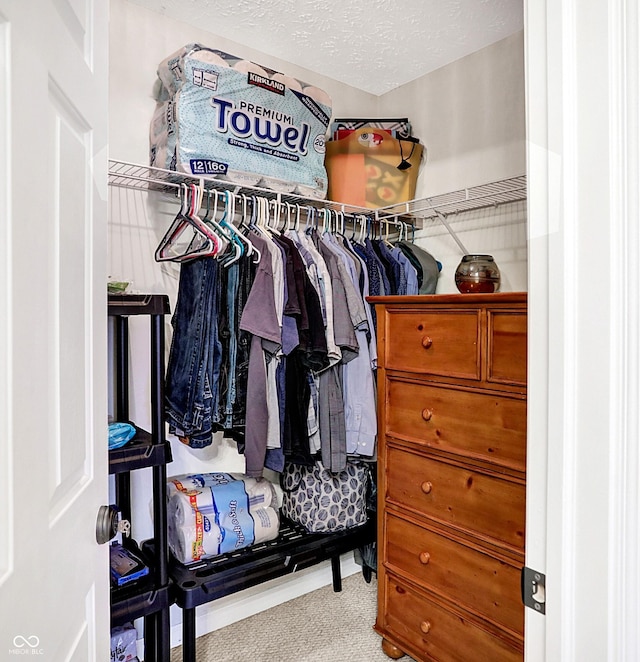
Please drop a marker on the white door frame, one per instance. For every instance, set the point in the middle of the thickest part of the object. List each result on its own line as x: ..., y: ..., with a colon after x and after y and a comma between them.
x: 583, y: 505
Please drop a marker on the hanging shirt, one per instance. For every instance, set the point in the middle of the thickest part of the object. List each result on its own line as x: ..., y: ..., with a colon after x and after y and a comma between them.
x: 358, y: 391
x: 372, y: 336
x: 410, y: 273
x: 260, y: 318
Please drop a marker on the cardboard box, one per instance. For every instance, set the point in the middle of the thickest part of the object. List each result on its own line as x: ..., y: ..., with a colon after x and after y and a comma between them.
x: 371, y: 169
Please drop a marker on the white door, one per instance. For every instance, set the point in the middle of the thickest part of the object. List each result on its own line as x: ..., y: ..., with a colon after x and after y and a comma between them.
x: 54, y: 593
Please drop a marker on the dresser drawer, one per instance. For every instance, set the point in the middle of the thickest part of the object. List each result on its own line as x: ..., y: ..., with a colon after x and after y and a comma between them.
x: 465, y: 575
x: 436, y: 633
x: 436, y: 343
x: 477, y: 425
x: 488, y: 506
x: 507, y: 347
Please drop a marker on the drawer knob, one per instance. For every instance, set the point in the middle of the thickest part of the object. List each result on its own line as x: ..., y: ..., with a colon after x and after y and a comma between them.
x: 425, y: 626
x: 425, y: 557
x: 426, y: 487
x: 426, y: 342
x: 427, y: 414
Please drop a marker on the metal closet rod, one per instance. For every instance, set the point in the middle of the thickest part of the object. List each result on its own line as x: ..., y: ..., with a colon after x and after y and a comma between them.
x: 148, y: 178
x: 136, y: 176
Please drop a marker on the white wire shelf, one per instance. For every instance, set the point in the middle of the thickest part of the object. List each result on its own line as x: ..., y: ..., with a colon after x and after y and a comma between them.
x: 468, y: 199
x: 413, y: 212
x: 148, y: 178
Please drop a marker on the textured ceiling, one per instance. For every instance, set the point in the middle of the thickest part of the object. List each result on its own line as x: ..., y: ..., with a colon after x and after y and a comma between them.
x: 372, y: 45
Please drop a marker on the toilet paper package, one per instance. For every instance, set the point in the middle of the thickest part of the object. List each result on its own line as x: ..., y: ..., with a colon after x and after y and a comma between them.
x: 220, y: 116
x: 214, y: 513
x: 189, y: 543
x: 261, y: 492
x: 123, y: 643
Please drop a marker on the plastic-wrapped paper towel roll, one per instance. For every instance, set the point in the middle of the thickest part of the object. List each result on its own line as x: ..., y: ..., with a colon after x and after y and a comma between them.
x: 184, y: 482
x: 197, y: 484
x: 201, y: 499
x: 177, y: 513
x: 188, y: 546
x: 180, y: 510
x: 317, y: 95
x: 246, y: 66
x: 266, y: 524
x: 210, y: 57
x: 289, y: 81
x: 261, y: 492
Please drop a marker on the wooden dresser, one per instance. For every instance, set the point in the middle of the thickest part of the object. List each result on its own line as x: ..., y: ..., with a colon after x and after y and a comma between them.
x: 451, y: 471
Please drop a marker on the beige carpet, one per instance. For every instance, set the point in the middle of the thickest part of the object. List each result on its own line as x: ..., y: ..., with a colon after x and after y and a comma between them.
x: 321, y: 626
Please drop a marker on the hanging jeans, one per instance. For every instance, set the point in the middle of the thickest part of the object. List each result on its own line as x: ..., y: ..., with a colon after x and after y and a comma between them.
x: 236, y: 343
x: 195, y: 355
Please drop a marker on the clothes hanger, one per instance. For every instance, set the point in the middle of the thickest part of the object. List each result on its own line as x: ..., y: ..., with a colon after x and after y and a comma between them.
x: 385, y: 240
x: 214, y: 245
x: 311, y: 219
x: 355, y: 226
x: 168, y: 244
x: 236, y: 243
x: 225, y: 236
x: 259, y: 213
x: 249, y: 220
x: 248, y: 248
x: 219, y: 241
x: 244, y: 224
x: 248, y: 224
x: 275, y: 228
x: 287, y: 225
x: 370, y: 233
x: 364, y: 229
x: 326, y: 219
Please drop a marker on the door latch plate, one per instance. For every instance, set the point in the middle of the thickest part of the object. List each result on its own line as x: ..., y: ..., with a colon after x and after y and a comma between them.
x: 534, y: 589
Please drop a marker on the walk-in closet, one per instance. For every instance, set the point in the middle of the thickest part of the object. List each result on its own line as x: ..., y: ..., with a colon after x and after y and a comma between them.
x: 470, y: 116
x: 530, y: 155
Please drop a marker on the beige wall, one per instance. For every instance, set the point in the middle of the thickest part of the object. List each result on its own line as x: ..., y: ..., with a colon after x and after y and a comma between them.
x: 470, y: 115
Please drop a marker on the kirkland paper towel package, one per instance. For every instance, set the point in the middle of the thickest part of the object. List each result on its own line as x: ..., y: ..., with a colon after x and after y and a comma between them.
x: 220, y: 116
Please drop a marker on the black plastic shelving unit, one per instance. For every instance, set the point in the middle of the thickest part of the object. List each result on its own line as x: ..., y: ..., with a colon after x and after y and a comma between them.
x: 294, y: 549
x: 148, y: 597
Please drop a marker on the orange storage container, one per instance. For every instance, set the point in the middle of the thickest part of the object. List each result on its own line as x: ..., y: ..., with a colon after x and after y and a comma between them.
x: 370, y: 168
